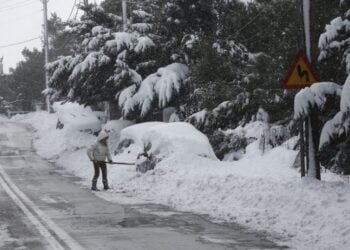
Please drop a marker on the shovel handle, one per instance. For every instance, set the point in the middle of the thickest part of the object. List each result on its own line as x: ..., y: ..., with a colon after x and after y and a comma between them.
x: 119, y: 163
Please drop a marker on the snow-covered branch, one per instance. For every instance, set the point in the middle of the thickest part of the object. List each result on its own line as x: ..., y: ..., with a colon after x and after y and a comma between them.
x: 164, y: 85
x: 314, y: 96
x: 340, y: 124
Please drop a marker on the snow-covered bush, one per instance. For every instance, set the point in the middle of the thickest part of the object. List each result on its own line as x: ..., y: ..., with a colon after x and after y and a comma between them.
x: 228, y: 146
x: 278, y: 134
x: 202, y: 120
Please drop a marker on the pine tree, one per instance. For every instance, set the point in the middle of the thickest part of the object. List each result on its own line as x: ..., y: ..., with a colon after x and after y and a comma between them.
x: 106, y: 61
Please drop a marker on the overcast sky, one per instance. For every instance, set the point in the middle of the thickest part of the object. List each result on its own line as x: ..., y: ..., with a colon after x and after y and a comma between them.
x: 21, y: 20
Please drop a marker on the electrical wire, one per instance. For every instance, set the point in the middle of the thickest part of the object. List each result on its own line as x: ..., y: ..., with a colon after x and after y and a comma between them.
x: 14, y: 19
x: 18, y: 43
x: 69, y: 39
x: 6, y: 5
x: 16, y: 6
x: 26, y: 14
x: 261, y: 30
x: 7, y: 1
x: 76, y: 13
x: 71, y: 12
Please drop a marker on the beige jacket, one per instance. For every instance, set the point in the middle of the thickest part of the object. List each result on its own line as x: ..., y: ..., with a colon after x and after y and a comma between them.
x: 99, y: 151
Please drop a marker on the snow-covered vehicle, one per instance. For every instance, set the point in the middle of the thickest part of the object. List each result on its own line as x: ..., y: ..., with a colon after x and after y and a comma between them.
x: 151, y: 142
x: 77, y: 117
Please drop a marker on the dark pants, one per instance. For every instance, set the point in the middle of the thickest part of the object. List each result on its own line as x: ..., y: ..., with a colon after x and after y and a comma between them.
x: 97, y: 166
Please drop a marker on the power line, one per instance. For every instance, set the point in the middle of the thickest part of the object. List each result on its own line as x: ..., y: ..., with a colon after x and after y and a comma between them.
x: 6, y: 2
x: 18, y: 43
x: 76, y: 13
x: 16, y: 18
x: 7, y: 5
x: 16, y: 6
x: 71, y: 12
x: 261, y: 30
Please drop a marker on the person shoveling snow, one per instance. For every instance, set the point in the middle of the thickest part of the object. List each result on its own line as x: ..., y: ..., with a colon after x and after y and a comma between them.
x: 98, y: 153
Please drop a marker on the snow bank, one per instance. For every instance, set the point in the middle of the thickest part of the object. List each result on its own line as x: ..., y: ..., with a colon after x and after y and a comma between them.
x: 77, y: 117
x: 260, y: 191
x: 57, y: 142
x: 5, y: 236
x: 3, y: 118
x: 114, y: 129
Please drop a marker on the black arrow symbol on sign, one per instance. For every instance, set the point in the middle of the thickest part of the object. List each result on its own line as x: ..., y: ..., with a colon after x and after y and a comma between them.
x: 303, y: 73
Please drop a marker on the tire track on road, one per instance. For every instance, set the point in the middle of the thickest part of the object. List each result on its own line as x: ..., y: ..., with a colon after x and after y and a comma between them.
x: 56, y: 237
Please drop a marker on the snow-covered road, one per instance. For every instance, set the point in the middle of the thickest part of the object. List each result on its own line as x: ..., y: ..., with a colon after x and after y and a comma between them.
x: 43, y: 208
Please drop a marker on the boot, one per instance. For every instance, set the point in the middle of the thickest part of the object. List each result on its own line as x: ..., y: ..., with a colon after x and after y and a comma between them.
x: 105, y: 185
x: 94, y: 185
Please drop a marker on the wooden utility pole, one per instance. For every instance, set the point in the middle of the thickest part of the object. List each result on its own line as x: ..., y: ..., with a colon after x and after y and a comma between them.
x: 46, y: 50
x: 301, y: 46
x: 124, y: 15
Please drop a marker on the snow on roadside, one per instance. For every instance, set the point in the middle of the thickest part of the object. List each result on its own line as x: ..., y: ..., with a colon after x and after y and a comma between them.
x: 5, y: 237
x: 65, y: 147
x: 3, y: 118
x: 260, y: 191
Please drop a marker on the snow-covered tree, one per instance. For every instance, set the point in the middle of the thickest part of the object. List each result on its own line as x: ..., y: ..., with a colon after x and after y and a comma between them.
x: 179, y: 26
x: 340, y: 124
x: 334, y: 41
x: 105, y: 62
x: 335, y: 51
x: 307, y: 104
x: 162, y: 86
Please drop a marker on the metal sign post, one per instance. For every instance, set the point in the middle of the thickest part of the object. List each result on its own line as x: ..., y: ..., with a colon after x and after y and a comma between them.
x: 299, y: 76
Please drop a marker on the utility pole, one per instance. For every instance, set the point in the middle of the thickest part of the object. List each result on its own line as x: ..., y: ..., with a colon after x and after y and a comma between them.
x: 309, y: 137
x: 124, y: 15
x: 46, y: 49
x: 301, y: 46
x: 313, y: 120
x: 307, y: 31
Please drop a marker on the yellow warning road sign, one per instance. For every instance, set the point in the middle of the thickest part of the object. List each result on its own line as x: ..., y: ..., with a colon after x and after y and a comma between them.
x: 300, y: 74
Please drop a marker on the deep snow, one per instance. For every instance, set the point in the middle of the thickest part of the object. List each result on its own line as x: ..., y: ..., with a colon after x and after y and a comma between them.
x: 259, y: 191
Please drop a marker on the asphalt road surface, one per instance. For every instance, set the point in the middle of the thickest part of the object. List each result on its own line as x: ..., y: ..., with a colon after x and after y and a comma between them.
x: 41, y: 208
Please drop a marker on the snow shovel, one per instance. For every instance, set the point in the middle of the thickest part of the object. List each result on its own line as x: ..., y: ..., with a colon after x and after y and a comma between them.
x: 120, y: 163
